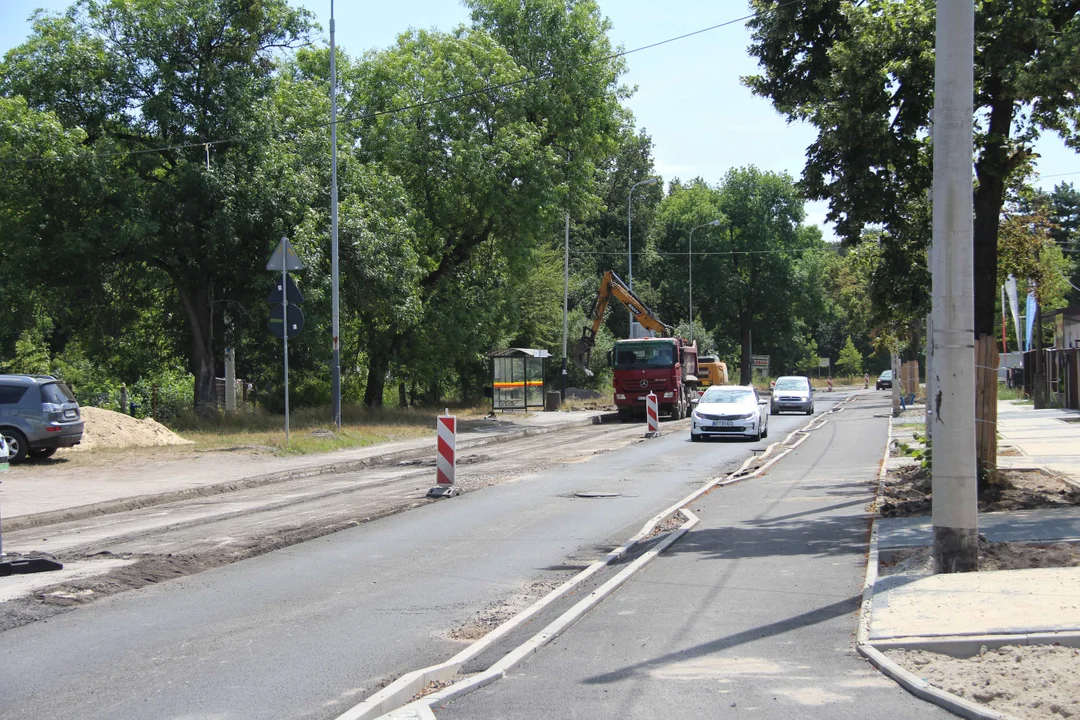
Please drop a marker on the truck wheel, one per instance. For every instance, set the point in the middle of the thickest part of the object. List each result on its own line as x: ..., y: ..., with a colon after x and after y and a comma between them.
x: 626, y: 415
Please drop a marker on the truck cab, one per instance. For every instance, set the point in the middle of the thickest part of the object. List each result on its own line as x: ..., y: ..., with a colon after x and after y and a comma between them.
x: 664, y: 366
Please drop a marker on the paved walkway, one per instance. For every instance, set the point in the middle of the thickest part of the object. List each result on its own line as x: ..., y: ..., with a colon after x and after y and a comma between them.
x: 1045, y: 438
x: 1043, y: 525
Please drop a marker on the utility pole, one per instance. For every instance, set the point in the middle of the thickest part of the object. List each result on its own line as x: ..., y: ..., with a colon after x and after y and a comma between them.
x: 630, y: 243
x: 955, y: 500
x: 335, y: 362
x: 565, y: 302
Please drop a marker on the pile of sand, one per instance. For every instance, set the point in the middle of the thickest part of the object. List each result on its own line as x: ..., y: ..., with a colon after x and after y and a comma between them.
x: 108, y: 429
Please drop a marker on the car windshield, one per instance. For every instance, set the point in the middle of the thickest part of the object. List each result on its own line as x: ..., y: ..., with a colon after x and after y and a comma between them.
x: 644, y: 355
x: 728, y: 395
x: 791, y: 383
x: 886, y: 375
x: 56, y: 393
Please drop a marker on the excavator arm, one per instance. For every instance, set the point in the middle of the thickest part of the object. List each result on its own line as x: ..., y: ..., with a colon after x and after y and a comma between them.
x: 613, y: 287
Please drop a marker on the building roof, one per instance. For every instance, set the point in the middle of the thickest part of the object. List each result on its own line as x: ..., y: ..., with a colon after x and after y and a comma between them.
x: 1070, y: 313
x: 519, y: 352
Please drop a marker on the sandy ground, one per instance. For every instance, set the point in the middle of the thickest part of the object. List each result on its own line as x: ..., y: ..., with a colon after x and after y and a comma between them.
x: 992, y: 556
x: 907, y: 492
x: 1034, y: 681
x: 108, y: 429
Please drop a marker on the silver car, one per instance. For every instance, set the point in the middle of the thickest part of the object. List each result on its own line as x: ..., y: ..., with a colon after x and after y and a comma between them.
x: 792, y: 392
x: 38, y: 414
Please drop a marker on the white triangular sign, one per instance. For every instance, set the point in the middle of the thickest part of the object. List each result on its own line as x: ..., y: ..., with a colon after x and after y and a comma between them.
x: 284, y: 254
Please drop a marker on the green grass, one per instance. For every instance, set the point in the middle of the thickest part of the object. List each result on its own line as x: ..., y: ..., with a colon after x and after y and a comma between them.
x: 1008, y: 393
x: 310, y: 428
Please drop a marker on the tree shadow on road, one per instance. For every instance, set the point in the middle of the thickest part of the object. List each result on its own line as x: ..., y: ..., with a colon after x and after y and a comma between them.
x: 813, y: 617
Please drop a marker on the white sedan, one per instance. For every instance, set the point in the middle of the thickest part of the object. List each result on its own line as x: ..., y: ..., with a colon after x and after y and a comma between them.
x: 727, y: 410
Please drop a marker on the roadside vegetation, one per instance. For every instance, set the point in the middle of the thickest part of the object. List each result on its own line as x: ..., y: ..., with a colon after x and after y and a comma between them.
x: 159, y: 216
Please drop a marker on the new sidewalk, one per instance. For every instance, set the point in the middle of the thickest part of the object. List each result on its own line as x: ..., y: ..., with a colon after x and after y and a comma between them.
x: 39, y: 495
x: 960, y: 612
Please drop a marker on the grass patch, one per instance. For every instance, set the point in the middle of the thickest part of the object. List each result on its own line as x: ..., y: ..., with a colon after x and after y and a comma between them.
x: 310, y: 428
x: 1008, y: 393
x: 305, y: 441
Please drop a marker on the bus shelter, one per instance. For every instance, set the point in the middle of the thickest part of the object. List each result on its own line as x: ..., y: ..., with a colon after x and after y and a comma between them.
x: 517, y: 378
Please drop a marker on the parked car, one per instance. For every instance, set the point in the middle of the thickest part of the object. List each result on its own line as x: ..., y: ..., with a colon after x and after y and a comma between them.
x: 38, y: 414
x: 725, y: 410
x: 792, y: 392
x: 884, y: 380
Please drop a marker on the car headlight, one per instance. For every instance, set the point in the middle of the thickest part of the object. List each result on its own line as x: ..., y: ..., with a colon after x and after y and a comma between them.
x: 669, y: 394
x: 747, y: 415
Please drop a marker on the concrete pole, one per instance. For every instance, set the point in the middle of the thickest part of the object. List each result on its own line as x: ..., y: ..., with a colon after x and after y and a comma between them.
x: 230, y: 380
x: 565, y: 302
x: 335, y: 361
x: 894, y: 363
x: 955, y: 500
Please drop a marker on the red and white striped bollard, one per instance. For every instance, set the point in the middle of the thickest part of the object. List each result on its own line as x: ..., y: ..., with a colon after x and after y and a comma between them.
x: 445, y: 457
x: 830, y: 384
x: 652, y: 416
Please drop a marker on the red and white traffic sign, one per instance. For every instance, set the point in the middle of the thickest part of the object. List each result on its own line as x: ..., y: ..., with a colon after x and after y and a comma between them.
x: 445, y: 457
x: 652, y: 416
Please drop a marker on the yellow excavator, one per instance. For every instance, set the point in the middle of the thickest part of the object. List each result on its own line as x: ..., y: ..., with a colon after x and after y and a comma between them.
x: 663, y: 364
x: 612, y: 286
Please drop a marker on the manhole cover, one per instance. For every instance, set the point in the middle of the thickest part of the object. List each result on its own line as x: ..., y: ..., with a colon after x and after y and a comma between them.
x: 596, y: 495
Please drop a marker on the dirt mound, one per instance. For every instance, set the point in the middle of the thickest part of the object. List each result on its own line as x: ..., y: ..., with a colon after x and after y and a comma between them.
x: 108, y: 429
x: 907, y: 492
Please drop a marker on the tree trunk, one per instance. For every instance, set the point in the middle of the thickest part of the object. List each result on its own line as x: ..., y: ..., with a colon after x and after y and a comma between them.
x: 991, y: 169
x: 403, y: 399
x: 378, y: 366
x: 986, y: 363
x: 198, y: 307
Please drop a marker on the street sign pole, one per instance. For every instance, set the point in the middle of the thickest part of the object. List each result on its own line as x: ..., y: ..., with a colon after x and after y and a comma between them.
x: 284, y: 260
x: 285, y: 340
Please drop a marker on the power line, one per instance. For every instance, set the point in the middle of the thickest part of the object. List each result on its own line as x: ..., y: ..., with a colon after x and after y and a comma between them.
x: 416, y: 106
x: 716, y: 252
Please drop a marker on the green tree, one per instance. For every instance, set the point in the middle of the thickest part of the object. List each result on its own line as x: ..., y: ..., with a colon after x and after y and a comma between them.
x: 850, y: 361
x: 862, y: 74
x: 752, y: 287
x: 136, y: 76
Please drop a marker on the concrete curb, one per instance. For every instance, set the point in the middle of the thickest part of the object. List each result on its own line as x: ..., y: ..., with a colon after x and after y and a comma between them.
x: 398, y: 695
x: 909, y: 681
x: 136, y: 502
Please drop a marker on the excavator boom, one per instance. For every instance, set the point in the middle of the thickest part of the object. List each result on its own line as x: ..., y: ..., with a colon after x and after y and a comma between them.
x: 612, y: 286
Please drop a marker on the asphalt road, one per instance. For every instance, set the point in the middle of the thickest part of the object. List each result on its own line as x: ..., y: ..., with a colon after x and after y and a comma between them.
x: 308, y: 631
x: 753, y: 613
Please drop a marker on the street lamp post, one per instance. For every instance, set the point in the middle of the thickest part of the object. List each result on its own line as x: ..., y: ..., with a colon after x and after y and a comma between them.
x: 690, y: 269
x: 629, y: 240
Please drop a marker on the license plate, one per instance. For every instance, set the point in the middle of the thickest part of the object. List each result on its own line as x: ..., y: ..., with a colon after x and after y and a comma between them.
x: 69, y: 413
x: 723, y: 423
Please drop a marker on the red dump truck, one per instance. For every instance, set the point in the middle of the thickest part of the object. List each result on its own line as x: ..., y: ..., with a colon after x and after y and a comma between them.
x: 663, y: 364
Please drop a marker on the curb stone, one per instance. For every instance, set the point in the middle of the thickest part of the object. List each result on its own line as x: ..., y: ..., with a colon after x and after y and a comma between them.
x: 917, y: 686
x: 136, y: 502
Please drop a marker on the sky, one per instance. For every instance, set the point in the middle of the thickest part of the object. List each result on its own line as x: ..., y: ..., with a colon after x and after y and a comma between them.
x: 702, y: 120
